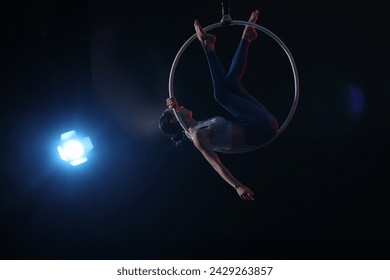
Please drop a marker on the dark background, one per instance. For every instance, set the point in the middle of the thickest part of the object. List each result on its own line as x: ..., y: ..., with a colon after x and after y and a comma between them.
x: 102, y: 67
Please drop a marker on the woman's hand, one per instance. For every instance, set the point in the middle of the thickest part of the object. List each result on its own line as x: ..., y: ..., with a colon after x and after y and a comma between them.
x: 245, y: 193
x: 172, y: 103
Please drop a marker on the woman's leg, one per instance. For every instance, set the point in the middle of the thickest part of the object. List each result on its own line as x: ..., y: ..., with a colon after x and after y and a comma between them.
x: 259, y: 124
x: 236, y: 100
x: 237, y: 70
x: 238, y: 104
x: 239, y: 61
x: 235, y: 104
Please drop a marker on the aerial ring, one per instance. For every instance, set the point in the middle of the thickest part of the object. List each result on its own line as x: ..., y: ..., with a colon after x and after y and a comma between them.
x: 281, y: 44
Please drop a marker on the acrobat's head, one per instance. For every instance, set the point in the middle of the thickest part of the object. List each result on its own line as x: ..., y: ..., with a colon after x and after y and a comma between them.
x: 169, y: 125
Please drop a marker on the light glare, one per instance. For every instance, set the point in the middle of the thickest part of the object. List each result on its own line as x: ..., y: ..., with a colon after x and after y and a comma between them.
x: 73, y: 149
x: 79, y: 161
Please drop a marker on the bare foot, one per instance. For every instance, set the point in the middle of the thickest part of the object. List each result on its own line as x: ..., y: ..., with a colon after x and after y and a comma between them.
x: 207, y: 40
x: 250, y: 32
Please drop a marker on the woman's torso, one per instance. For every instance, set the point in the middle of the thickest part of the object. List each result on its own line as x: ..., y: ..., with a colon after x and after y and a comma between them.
x: 227, y: 135
x: 221, y: 132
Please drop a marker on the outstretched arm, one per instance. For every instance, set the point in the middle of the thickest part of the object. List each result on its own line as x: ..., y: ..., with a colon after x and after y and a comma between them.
x: 203, y: 144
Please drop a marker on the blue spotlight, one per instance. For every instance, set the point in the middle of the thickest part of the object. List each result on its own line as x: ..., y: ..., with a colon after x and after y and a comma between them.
x: 74, y: 149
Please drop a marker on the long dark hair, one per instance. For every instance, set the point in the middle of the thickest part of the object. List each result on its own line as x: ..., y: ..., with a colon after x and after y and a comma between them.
x: 174, y: 130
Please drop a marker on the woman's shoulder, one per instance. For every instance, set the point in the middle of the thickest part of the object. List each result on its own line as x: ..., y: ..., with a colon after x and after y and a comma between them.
x: 201, y: 137
x: 203, y: 126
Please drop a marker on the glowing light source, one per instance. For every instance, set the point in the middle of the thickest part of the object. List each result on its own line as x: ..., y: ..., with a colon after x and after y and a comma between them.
x: 74, y: 149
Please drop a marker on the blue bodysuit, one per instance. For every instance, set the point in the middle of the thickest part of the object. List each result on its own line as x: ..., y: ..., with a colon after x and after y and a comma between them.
x: 259, y: 125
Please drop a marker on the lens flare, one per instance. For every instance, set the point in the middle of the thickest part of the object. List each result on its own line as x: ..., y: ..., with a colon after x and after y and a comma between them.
x: 74, y: 150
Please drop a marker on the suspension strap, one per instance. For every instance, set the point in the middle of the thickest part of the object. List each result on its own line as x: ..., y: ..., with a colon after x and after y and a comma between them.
x: 226, y: 19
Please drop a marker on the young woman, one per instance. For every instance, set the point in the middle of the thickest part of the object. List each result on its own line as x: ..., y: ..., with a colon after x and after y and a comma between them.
x: 254, y: 124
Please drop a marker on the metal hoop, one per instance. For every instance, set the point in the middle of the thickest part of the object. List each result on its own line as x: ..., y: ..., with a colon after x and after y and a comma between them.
x: 282, y: 45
